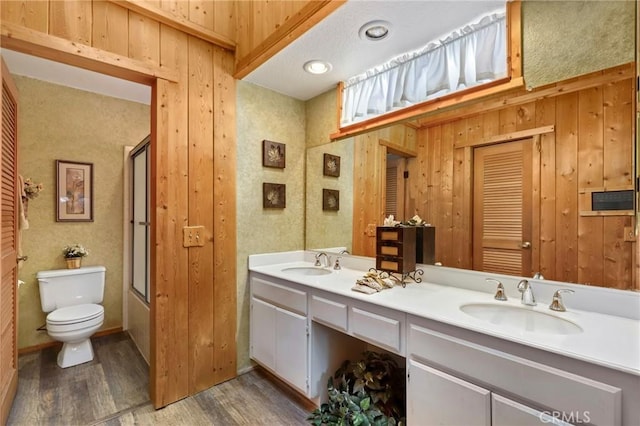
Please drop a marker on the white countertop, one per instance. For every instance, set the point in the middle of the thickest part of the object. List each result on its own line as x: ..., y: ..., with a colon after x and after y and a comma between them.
x: 607, y: 340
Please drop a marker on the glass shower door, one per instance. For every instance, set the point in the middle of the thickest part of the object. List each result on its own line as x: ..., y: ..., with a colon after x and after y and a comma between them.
x: 140, y: 222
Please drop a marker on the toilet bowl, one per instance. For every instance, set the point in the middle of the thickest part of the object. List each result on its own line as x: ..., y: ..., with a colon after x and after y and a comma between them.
x: 71, y: 297
x: 73, y: 326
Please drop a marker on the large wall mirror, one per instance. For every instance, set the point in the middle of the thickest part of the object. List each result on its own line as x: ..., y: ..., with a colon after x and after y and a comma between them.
x: 528, y: 160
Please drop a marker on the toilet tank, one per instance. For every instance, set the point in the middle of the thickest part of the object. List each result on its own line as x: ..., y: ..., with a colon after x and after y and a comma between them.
x: 68, y: 287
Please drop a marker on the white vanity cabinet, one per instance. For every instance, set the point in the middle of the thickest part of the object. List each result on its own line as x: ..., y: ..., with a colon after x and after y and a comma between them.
x: 377, y: 325
x: 440, y: 398
x: 279, y: 330
x: 455, y: 376
x: 435, y: 397
x: 459, y: 371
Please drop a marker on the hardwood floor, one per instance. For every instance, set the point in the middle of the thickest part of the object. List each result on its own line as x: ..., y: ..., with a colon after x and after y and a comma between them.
x: 113, y: 390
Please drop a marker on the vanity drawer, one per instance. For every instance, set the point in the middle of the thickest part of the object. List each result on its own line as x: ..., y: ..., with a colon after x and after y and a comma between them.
x: 278, y: 295
x: 394, y: 264
x: 329, y: 312
x: 384, y: 329
x: 384, y: 233
x: 389, y: 250
x: 541, y: 384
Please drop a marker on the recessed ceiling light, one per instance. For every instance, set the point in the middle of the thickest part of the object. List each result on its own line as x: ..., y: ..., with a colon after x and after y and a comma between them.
x: 374, y: 30
x: 317, y: 66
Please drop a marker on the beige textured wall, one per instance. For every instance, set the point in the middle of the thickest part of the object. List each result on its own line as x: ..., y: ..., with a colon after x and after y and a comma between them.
x: 322, y: 119
x: 264, y: 114
x: 326, y: 229
x: 57, y: 122
x: 564, y: 39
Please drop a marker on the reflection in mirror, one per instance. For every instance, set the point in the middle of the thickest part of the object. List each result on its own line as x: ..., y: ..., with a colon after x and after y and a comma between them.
x: 329, y: 228
x: 506, y: 186
x: 573, y: 135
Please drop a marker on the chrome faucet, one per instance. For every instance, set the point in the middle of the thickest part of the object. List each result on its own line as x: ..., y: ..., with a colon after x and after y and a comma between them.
x: 527, y: 293
x: 556, y: 303
x: 538, y: 276
x: 326, y: 258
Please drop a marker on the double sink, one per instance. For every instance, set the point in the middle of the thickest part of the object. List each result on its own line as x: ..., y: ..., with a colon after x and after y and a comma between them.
x: 509, y: 317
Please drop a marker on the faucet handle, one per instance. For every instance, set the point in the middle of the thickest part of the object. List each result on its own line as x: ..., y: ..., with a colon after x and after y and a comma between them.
x: 556, y: 303
x: 337, y: 266
x: 499, y: 290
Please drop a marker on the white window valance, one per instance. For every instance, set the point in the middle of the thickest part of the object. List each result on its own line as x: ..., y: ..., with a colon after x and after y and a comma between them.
x: 473, y: 55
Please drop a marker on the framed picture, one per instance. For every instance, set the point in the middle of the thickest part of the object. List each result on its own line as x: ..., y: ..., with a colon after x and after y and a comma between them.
x: 74, y: 191
x: 331, y: 165
x: 273, y: 154
x: 274, y: 195
x: 330, y: 199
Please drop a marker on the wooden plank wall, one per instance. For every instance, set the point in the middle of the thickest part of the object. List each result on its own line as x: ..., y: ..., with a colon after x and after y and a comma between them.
x: 369, y: 171
x: 193, y: 172
x: 265, y: 27
x: 592, y: 147
x: 369, y: 181
x: 262, y: 19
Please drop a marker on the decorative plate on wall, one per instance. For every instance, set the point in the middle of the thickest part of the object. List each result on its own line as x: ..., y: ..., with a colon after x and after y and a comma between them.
x: 330, y: 199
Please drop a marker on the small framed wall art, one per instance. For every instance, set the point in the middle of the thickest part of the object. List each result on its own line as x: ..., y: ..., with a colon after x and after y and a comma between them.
x: 273, y: 154
x: 274, y: 195
x: 330, y: 199
x: 74, y: 191
x: 331, y: 165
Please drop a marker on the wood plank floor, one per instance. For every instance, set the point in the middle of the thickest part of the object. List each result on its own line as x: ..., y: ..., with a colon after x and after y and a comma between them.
x: 113, y: 390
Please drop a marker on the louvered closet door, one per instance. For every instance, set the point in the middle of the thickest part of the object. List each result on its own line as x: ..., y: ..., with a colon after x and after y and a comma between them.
x: 502, y: 208
x: 8, y: 242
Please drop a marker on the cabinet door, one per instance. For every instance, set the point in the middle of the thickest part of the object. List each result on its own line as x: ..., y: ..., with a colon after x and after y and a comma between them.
x: 437, y: 398
x: 263, y: 333
x: 292, y: 348
x: 506, y: 412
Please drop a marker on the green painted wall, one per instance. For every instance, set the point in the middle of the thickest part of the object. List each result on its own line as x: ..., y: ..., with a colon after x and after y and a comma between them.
x: 264, y: 114
x: 565, y: 39
x: 57, y: 122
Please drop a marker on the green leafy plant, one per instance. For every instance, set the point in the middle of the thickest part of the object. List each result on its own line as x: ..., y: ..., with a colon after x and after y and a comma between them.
x: 370, y: 391
x: 346, y: 409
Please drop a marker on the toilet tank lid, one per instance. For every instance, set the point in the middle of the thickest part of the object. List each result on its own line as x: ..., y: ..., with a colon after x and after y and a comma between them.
x: 66, y: 272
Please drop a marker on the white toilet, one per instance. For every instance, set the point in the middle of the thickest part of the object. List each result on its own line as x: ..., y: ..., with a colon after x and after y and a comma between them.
x: 72, y: 296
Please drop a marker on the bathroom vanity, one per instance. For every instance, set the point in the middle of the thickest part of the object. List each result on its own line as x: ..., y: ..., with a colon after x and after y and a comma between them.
x: 469, y: 358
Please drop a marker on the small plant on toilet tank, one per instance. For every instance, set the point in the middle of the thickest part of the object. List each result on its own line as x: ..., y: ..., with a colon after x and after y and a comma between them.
x: 74, y: 250
x: 73, y: 254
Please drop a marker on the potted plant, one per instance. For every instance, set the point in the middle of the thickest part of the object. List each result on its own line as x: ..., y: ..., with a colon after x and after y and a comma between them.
x: 73, y: 254
x: 370, y: 391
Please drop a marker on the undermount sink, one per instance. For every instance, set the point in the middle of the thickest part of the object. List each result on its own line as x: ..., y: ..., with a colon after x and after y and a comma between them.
x: 520, y: 318
x: 306, y: 270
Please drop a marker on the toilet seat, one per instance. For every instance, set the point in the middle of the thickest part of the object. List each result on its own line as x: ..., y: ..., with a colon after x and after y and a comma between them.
x: 75, y: 314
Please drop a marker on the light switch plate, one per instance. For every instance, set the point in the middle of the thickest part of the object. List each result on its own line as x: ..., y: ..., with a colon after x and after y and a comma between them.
x: 371, y: 230
x: 193, y: 236
x: 629, y: 234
